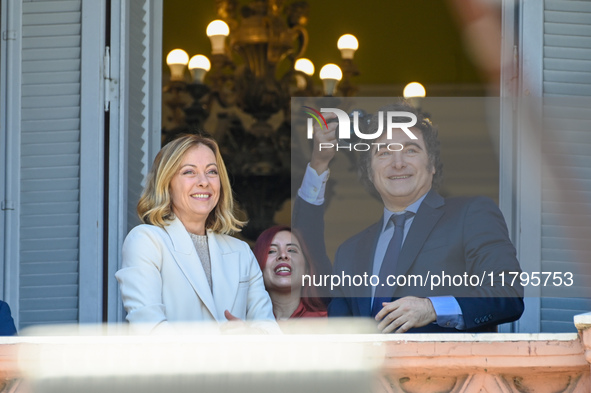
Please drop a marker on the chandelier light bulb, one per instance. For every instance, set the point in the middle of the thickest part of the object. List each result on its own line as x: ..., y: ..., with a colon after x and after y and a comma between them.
x: 198, y: 66
x: 348, y: 44
x: 177, y: 60
x: 304, y: 65
x: 414, y: 89
x: 177, y: 56
x: 330, y: 74
x: 331, y: 71
x: 218, y: 27
x: 217, y: 31
x: 199, y: 61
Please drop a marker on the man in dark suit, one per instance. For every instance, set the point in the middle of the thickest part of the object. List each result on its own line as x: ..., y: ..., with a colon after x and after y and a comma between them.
x: 460, y: 243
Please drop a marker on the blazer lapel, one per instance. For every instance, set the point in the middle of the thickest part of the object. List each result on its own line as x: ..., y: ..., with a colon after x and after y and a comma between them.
x: 225, y: 272
x: 186, y: 257
x: 427, y: 216
x: 363, y: 263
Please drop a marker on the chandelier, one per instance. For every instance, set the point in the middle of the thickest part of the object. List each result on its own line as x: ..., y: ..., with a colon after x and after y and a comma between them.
x: 254, y: 69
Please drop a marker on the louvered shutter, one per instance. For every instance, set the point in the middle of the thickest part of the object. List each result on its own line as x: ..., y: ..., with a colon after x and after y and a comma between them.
x: 566, y: 202
x: 59, y: 232
x: 138, y: 156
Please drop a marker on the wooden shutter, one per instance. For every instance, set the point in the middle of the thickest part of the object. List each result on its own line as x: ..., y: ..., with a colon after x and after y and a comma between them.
x: 50, y: 162
x: 138, y: 116
x: 60, y: 171
x: 566, y: 183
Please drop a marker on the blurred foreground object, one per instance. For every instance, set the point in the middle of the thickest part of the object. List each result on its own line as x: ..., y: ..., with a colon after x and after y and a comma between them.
x: 467, y: 363
x: 480, y: 25
x: 198, y: 358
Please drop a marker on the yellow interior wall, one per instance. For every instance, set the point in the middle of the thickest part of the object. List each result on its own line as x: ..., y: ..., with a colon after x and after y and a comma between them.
x: 400, y: 40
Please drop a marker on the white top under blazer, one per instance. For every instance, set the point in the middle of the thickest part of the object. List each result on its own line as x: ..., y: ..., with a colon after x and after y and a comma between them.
x: 162, y: 279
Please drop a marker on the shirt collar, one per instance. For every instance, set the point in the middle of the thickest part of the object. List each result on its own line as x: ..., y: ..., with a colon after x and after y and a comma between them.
x: 413, y: 207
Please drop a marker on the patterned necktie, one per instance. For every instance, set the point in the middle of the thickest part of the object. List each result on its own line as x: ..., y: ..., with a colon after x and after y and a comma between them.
x: 384, y: 293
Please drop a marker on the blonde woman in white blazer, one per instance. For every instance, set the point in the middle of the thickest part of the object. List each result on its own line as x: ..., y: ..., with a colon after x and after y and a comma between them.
x: 181, y: 265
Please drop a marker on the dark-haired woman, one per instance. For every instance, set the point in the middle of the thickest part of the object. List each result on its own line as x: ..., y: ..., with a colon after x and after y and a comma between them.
x: 284, y: 259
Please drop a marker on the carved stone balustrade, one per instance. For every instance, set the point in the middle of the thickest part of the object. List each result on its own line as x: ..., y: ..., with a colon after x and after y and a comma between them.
x: 492, y: 363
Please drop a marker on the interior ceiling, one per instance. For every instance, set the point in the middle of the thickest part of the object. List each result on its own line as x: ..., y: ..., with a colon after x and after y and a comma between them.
x: 400, y: 41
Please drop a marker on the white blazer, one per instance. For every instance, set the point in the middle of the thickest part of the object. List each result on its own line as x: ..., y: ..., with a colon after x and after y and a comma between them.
x: 162, y: 279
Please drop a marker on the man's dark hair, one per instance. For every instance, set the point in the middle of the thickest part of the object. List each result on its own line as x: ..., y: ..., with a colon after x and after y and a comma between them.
x: 428, y: 131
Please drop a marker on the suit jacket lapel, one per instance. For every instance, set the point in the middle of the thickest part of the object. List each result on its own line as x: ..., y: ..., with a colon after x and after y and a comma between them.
x: 363, y: 263
x: 186, y: 257
x: 225, y: 272
x: 427, y: 216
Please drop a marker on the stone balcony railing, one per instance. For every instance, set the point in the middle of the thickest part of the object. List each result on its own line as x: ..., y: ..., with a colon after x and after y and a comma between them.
x: 487, y: 363
x: 405, y: 363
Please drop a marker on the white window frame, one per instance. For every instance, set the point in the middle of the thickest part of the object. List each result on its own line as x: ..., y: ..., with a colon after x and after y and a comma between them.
x: 520, y: 152
x: 118, y: 119
x: 92, y: 137
x: 10, y: 92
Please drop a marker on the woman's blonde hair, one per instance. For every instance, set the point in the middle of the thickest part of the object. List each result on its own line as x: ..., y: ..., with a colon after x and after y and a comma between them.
x: 155, y: 204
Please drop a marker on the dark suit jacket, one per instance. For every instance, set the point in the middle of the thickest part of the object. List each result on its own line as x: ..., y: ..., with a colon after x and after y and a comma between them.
x: 454, y: 236
x: 7, y: 327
